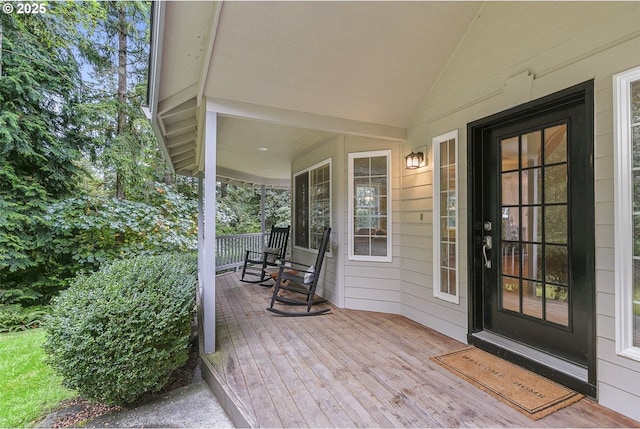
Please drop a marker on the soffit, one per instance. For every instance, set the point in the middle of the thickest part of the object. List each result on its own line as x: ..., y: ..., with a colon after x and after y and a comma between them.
x: 366, y: 62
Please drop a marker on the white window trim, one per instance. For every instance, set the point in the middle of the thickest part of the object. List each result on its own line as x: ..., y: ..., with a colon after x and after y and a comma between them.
x: 389, y: 257
x: 451, y: 135
x: 623, y: 197
x: 309, y: 170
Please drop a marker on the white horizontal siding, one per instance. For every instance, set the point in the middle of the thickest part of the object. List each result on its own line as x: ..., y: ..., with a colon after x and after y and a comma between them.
x: 373, y: 286
x: 560, y: 44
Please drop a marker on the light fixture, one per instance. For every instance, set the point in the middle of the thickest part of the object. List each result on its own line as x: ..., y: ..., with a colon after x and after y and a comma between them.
x: 414, y: 160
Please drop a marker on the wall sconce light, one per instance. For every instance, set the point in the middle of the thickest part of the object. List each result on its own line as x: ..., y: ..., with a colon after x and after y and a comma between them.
x: 415, y: 159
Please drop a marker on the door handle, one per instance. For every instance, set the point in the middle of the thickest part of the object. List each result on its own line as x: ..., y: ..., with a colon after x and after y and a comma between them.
x: 486, y: 244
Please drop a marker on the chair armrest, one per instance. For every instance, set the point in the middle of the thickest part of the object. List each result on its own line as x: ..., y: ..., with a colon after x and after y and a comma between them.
x: 297, y: 271
x: 288, y: 264
x: 256, y: 257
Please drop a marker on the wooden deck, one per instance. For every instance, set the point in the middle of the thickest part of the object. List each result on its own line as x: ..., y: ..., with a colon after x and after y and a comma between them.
x: 351, y: 369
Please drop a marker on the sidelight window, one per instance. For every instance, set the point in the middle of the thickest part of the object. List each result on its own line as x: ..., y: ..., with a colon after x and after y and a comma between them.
x: 445, y: 213
x: 627, y: 211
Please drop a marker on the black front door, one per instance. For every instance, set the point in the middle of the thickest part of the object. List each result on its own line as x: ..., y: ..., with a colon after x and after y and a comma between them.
x: 532, y: 256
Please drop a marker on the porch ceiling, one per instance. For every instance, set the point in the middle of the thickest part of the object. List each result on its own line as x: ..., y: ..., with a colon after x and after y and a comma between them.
x: 287, y: 75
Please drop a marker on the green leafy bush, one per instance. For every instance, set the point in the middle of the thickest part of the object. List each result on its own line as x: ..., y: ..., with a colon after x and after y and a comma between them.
x: 119, y: 333
x: 82, y: 233
x: 14, y: 318
x: 84, y: 230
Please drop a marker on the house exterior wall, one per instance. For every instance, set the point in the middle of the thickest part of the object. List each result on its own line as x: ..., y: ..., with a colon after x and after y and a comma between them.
x: 363, y: 285
x: 328, y: 285
x: 369, y: 285
x: 513, y: 53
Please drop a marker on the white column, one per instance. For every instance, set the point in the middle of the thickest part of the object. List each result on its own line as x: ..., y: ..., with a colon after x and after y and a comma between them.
x: 201, y: 258
x: 209, y: 227
x: 263, y: 197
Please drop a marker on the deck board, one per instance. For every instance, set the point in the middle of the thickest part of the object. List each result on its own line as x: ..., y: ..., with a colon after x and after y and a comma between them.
x: 351, y: 368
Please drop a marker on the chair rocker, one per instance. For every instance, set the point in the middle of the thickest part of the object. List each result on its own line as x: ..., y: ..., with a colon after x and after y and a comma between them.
x: 300, y: 279
x: 256, y: 263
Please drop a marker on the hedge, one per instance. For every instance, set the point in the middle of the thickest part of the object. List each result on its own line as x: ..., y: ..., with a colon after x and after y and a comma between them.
x: 118, y: 334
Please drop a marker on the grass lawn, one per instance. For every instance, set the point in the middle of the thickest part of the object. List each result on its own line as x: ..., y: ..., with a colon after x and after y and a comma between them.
x: 29, y: 389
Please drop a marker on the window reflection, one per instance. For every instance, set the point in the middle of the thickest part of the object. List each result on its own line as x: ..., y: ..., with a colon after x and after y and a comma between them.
x: 534, y: 227
x: 370, y: 206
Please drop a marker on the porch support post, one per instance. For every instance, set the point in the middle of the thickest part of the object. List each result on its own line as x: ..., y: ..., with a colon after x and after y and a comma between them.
x: 209, y: 226
x: 263, y: 216
x: 200, y: 235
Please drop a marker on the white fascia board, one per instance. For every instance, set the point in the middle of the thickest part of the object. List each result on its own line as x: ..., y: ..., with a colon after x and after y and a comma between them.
x: 155, y: 58
x: 200, y: 113
x: 208, y: 51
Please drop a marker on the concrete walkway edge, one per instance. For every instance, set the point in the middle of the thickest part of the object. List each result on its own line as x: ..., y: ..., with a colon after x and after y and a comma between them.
x: 192, y: 406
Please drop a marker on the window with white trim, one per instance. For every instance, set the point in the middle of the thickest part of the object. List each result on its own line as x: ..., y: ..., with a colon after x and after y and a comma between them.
x: 370, y: 206
x: 445, y: 217
x: 311, y: 205
x: 627, y: 211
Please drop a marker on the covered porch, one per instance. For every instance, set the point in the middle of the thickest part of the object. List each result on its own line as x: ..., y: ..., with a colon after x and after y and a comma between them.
x: 350, y: 368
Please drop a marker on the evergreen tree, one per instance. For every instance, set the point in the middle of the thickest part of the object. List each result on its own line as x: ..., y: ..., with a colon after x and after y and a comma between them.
x: 124, y: 148
x: 39, y: 138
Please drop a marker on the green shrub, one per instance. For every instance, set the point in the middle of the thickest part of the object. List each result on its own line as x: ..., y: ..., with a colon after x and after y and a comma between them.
x: 119, y: 333
x: 14, y: 318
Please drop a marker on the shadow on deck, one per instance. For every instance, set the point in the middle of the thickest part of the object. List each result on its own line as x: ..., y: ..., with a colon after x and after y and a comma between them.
x: 350, y: 368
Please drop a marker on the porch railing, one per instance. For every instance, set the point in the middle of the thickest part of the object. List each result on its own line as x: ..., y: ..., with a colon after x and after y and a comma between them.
x: 230, y: 249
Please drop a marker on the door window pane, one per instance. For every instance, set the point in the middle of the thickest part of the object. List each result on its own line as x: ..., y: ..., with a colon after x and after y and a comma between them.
x: 511, y: 259
x: 535, y: 224
x: 555, y: 184
x: 557, y: 304
x: 555, y: 224
x: 532, y: 149
x: 510, y: 223
x: 532, y: 186
x: 532, y: 261
x: 510, y: 189
x: 556, y: 263
x: 532, y: 299
x: 511, y: 293
x: 510, y: 150
x: 555, y: 144
x: 532, y: 223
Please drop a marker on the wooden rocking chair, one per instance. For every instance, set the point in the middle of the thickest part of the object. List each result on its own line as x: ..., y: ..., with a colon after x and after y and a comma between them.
x: 256, y: 263
x: 300, y: 279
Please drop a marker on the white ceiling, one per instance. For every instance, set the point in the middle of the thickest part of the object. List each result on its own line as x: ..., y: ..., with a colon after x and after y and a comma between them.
x: 290, y: 74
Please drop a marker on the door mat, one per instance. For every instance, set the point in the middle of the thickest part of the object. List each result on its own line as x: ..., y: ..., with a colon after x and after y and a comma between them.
x: 529, y: 393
